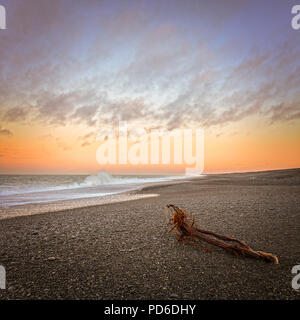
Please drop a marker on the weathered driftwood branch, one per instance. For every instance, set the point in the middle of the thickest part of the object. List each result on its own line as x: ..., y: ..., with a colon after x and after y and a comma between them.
x: 185, y: 228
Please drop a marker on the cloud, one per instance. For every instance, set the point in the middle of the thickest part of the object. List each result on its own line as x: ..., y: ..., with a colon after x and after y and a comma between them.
x: 16, y: 114
x: 56, y: 109
x: 5, y: 132
x: 88, y: 138
x: 164, y: 65
x: 86, y: 114
x: 285, y: 111
x: 85, y: 144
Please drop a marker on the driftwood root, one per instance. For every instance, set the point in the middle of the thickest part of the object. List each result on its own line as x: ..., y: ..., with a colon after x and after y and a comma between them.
x: 185, y: 229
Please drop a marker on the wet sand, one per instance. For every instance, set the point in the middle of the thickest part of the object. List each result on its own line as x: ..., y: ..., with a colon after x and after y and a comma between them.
x: 123, y: 250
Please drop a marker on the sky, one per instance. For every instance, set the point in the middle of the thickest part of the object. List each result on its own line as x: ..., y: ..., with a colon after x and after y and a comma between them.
x: 69, y: 68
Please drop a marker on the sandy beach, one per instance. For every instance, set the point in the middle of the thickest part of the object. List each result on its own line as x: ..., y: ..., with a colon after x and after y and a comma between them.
x: 123, y: 250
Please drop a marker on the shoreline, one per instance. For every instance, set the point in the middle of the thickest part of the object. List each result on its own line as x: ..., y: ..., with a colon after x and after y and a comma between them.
x: 14, y: 211
x: 8, y: 212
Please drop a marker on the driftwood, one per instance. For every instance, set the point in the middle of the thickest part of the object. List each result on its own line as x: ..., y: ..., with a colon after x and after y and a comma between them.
x: 185, y: 229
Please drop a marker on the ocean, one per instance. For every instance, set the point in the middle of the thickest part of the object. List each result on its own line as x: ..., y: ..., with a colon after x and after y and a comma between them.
x: 17, y: 190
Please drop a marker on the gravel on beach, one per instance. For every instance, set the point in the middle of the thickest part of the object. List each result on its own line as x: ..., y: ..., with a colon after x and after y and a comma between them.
x: 124, y: 250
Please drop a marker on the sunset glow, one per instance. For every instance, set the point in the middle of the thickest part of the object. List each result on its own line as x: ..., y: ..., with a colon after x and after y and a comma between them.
x: 69, y: 69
